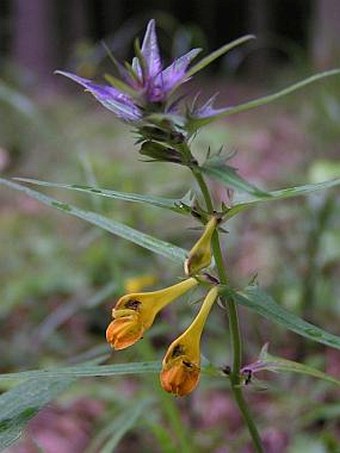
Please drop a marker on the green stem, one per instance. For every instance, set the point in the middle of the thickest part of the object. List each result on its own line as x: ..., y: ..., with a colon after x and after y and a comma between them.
x: 204, y: 189
x: 233, y: 323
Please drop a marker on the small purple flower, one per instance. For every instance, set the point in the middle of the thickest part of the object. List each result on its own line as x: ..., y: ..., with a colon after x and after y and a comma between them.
x: 145, y: 84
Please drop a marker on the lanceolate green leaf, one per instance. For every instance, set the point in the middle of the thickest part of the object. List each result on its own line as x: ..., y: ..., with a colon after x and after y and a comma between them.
x: 39, y: 387
x: 85, y: 371
x: 173, y: 204
x: 20, y: 404
x: 227, y: 175
x: 221, y: 113
x: 256, y: 299
x: 217, y: 54
x: 281, y: 194
x: 279, y: 364
x: 155, y: 245
x: 279, y: 94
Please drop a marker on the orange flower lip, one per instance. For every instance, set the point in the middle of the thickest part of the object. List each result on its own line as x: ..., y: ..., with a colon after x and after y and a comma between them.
x: 181, y: 364
x: 124, y: 332
x: 181, y: 377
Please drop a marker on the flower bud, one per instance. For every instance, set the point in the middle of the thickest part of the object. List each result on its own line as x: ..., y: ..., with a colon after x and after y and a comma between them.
x: 200, y: 255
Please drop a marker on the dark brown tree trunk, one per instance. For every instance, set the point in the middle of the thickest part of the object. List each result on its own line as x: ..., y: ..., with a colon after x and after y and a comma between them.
x: 259, y: 20
x: 325, y: 34
x: 77, y: 20
x: 33, y: 46
x: 205, y: 14
x: 113, y: 10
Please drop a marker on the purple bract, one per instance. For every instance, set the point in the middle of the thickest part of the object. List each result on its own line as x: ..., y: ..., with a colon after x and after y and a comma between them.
x: 147, y: 84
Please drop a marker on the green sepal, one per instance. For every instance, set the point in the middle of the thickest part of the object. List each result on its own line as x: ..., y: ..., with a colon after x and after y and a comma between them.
x: 120, y: 85
x: 160, y: 152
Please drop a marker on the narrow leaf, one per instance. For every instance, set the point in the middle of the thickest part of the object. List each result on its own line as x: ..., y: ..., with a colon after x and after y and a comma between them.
x: 150, y: 243
x: 256, y: 299
x: 281, y: 194
x: 39, y: 387
x: 85, y: 371
x: 278, y: 364
x: 172, y: 204
x: 216, y: 54
x: 228, y: 176
x: 273, y: 363
x: 223, y: 112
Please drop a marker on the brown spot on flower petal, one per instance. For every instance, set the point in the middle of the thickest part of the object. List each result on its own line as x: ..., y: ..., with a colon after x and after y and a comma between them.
x: 133, y: 304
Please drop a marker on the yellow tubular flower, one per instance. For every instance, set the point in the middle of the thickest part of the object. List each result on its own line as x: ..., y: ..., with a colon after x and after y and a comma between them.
x: 134, y: 313
x: 181, y: 364
x: 200, y: 254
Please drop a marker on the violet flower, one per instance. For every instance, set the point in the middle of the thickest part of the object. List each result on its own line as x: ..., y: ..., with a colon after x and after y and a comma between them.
x: 145, y: 85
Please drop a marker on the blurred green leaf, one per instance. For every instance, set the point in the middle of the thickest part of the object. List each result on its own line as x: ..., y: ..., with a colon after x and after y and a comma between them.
x: 256, y: 299
x: 326, y: 411
x: 172, y: 204
x: 163, y: 436
x: 227, y: 175
x: 20, y: 103
x: 324, y: 169
x: 144, y: 240
x: 23, y: 402
x: 308, y: 443
x: 117, y: 429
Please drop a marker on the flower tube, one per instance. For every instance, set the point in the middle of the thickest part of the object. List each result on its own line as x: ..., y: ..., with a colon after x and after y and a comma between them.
x: 181, y: 364
x: 135, y: 313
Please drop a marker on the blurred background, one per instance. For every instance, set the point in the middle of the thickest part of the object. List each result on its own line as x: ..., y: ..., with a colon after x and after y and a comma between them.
x: 60, y: 277
x: 41, y: 35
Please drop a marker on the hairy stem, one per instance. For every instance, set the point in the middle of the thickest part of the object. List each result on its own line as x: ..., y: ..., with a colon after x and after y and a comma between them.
x: 236, y: 340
